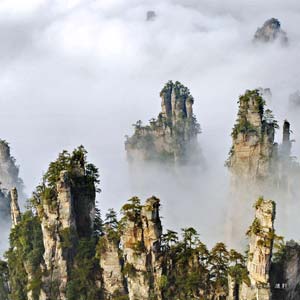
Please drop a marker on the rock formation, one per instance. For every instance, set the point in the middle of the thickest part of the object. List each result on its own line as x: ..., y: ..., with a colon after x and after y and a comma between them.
x: 261, y: 237
x: 141, y: 249
x: 9, y: 171
x: 172, y: 137
x: 257, y: 164
x: 151, y: 15
x: 14, y: 208
x: 251, y: 159
x: 271, y: 31
x: 111, y: 263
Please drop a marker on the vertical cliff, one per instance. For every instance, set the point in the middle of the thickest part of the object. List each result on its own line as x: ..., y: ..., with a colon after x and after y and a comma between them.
x: 111, y: 259
x: 141, y: 248
x: 253, y: 149
x: 271, y: 31
x: 261, y: 236
x: 65, y: 202
x: 172, y: 137
x: 53, y: 243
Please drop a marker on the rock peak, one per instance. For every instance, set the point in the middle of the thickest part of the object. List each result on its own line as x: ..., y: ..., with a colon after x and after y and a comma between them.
x: 271, y: 31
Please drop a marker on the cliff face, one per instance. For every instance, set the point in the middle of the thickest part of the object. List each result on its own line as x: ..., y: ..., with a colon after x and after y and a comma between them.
x: 141, y: 249
x: 111, y: 263
x: 257, y: 164
x: 261, y: 236
x: 48, y: 247
x: 270, y: 32
x: 172, y: 137
x: 253, y: 149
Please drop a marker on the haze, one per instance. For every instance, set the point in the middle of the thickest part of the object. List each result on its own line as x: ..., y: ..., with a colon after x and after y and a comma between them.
x: 82, y: 72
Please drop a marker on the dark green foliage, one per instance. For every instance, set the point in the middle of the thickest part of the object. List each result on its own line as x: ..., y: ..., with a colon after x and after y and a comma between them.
x: 79, y: 170
x: 267, y: 118
x: 26, y: 247
x: 82, y: 283
x: 4, y: 289
x: 132, y: 209
x: 129, y: 270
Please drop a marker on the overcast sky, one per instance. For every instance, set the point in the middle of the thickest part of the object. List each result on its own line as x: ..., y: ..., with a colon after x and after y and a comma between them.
x: 82, y: 72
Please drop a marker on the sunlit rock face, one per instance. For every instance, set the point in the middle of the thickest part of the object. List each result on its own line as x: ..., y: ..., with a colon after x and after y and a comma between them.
x: 57, y: 221
x: 172, y: 137
x: 111, y: 266
x: 270, y: 32
x: 261, y: 236
x: 141, y: 249
x: 253, y: 153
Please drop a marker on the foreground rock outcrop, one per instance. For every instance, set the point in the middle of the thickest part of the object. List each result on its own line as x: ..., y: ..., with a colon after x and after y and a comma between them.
x: 261, y: 237
x: 172, y: 137
x: 270, y: 32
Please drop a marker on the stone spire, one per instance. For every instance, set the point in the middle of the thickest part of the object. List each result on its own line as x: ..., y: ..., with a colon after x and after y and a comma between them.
x: 250, y: 158
x: 172, y: 137
x: 270, y: 32
x: 261, y: 236
x: 14, y: 207
x: 141, y: 249
x: 286, y: 145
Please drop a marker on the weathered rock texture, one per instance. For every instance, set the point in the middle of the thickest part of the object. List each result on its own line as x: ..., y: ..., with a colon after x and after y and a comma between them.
x: 257, y: 164
x: 253, y: 152
x: 58, y: 225
x: 14, y: 207
x: 261, y: 237
x: 111, y: 263
x: 64, y: 219
x: 270, y: 32
x: 141, y: 250
x: 172, y: 137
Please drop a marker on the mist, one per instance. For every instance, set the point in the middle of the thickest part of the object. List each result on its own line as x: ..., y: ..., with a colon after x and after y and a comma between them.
x: 82, y: 72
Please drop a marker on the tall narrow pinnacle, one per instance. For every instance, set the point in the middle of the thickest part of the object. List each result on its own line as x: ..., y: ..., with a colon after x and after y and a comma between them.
x: 14, y: 207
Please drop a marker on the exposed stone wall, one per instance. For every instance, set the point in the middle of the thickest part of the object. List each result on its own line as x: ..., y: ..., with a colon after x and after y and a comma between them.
x: 141, y: 248
x: 111, y: 267
x: 172, y: 137
x: 261, y: 237
x: 14, y: 207
x: 58, y: 224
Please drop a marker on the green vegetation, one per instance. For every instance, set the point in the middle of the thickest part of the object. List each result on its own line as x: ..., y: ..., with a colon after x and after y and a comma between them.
x: 25, y: 254
x: 243, y: 125
x: 4, y: 289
